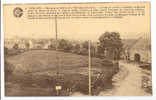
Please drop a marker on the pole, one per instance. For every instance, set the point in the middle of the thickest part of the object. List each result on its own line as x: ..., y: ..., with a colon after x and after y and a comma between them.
x: 56, y: 48
x: 56, y: 31
x: 56, y: 45
x: 57, y: 92
x: 89, y: 65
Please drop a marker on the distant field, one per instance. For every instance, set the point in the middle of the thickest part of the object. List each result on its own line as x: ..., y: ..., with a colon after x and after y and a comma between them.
x: 36, y: 70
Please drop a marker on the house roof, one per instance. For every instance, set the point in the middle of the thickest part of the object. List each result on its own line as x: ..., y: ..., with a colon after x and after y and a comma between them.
x: 140, y: 44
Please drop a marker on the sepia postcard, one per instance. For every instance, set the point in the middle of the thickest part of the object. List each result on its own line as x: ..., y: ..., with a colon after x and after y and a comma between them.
x: 77, y: 49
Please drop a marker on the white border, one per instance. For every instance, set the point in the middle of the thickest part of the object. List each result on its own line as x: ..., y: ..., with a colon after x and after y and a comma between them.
x: 153, y: 34
x: 64, y: 1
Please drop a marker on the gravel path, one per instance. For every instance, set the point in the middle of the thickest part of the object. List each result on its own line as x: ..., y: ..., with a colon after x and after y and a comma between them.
x: 127, y: 82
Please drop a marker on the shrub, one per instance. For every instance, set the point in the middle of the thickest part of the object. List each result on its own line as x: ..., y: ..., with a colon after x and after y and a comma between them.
x: 16, y: 46
x: 107, y: 63
x: 51, y: 47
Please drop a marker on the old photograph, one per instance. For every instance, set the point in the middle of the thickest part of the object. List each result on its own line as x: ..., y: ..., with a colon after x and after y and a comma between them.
x: 77, y: 49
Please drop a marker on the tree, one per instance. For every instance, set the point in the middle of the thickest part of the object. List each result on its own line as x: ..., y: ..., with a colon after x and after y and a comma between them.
x: 77, y: 48
x: 84, y: 49
x: 111, y: 44
x: 62, y: 44
x: 51, y: 47
x: 85, y: 44
x: 27, y: 45
x: 68, y: 47
x: 65, y: 45
x: 16, y: 46
x: 92, y: 50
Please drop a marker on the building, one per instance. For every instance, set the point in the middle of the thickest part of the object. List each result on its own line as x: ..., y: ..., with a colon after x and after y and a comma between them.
x: 139, y: 50
x: 9, y: 43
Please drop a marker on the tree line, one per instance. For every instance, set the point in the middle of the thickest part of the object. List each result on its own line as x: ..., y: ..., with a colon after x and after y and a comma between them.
x: 109, y: 46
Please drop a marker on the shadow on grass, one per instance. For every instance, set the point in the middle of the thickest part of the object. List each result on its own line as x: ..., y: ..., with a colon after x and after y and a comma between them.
x: 43, y: 85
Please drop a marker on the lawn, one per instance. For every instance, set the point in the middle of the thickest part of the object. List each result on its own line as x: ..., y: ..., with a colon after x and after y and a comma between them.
x: 35, y: 74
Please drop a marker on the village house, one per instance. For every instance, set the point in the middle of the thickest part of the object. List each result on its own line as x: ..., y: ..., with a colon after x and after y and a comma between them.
x: 139, y: 50
x: 9, y: 43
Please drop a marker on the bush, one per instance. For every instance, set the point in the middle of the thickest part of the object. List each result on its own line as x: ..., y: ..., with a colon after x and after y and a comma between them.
x: 16, y: 46
x: 146, y: 66
x: 107, y: 63
x: 68, y: 47
x: 51, y: 47
x: 84, y: 51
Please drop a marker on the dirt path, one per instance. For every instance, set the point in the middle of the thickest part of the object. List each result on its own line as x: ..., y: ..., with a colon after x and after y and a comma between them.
x: 127, y: 82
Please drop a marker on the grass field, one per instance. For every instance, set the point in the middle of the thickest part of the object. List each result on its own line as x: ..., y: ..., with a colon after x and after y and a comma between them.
x: 35, y: 74
x: 42, y: 60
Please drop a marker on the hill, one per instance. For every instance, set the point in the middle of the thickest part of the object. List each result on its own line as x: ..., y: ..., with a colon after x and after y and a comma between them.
x: 44, y: 60
x: 36, y: 72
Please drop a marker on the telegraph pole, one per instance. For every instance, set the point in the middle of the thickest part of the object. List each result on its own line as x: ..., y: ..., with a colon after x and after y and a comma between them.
x: 56, y: 31
x: 89, y: 67
x: 56, y: 45
x: 56, y: 48
x: 58, y: 87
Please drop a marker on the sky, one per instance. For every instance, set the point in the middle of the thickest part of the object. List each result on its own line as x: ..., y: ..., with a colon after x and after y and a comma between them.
x: 75, y: 29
